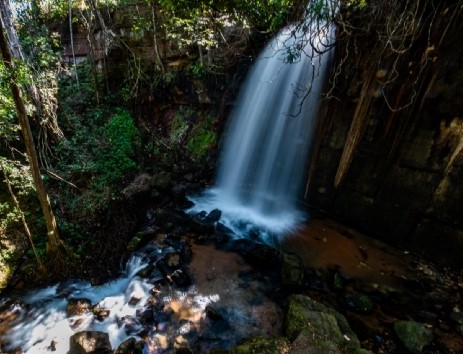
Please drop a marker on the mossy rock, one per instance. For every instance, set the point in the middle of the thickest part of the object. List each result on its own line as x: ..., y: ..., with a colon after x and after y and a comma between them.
x: 321, y: 326
x: 139, y: 240
x: 413, y: 335
x: 261, y: 345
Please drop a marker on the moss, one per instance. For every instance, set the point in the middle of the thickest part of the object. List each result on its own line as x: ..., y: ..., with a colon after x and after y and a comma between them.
x: 413, y: 335
x: 262, y: 345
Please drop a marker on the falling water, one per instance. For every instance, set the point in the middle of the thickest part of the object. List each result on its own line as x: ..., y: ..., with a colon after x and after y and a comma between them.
x: 269, y: 136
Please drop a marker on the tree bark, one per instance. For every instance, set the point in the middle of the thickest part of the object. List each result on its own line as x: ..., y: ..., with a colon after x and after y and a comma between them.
x: 54, y: 242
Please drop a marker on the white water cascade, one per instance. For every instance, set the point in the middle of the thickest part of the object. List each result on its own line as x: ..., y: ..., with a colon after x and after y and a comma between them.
x: 269, y: 136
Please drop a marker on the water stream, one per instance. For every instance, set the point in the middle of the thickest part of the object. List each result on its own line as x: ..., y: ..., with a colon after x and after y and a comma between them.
x: 269, y: 135
x: 165, y: 315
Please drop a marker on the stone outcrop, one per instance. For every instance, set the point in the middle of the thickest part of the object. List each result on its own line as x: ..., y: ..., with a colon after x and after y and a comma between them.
x: 403, y: 183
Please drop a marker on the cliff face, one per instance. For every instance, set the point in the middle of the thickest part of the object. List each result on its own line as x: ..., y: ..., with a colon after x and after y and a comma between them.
x: 403, y: 180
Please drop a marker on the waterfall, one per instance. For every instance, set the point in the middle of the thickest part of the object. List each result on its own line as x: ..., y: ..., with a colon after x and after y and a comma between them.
x: 269, y: 136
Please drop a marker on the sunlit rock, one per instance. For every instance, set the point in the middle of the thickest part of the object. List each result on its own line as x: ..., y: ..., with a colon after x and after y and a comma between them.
x: 78, y: 307
x: 90, y: 342
x: 100, y: 313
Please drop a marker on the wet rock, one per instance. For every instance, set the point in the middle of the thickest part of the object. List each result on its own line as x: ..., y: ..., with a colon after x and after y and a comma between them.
x: 212, y: 313
x: 182, y: 248
x: 201, y: 228
x: 140, y: 239
x: 78, y: 307
x: 130, y: 346
x: 178, y: 192
x: 90, y: 342
x: 319, y: 325
x: 263, y: 257
x: 173, y: 260
x: 134, y: 300
x: 146, y: 272
x: 181, y: 278
x: 100, y: 313
x: 146, y: 316
x: 131, y: 325
x: 413, y: 335
x: 292, y: 270
x: 360, y: 303
x: 222, y: 233
x: 213, y: 216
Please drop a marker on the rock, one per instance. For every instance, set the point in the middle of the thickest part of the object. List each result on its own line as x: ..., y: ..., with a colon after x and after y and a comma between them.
x: 147, y: 316
x: 178, y: 192
x: 181, y: 278
x: 140, y: 185
x: 259, y: 345
x: 292, y: 270
x: 213, y: 216
x: 78, y: 307
x: 318, y: 326
x: 140, y: 239
x: 212, y: 313
x: 173, y: 259
x: 263, y: 257
x: 130, y: 346
x: 222, y: 233
x: 146, y: 272
x: 131, y: 325
x: 134, y: 300
x: 360, y: 303
x: 413, y: 335
x: 100, y: 313
x: 90, y: 342
x: 304, y: 344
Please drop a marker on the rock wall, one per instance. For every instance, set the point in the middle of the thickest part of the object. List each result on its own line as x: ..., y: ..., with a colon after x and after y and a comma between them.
x: 403, y: 184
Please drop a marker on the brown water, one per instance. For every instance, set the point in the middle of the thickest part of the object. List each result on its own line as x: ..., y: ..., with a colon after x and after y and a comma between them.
x: 325, y: 244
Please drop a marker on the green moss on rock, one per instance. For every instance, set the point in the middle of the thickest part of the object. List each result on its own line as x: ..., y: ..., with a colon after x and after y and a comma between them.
x: 413, y: 335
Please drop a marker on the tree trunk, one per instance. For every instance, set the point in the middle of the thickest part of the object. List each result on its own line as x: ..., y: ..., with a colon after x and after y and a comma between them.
x: 54, y: 243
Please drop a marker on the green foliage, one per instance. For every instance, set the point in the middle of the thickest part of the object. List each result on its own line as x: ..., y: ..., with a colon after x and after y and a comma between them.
x: 201, y: 140
x: 8, y: 124
x: 121, y: 137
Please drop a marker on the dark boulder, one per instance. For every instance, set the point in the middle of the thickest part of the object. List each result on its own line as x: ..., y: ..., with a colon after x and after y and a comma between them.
x: 213, y: 216
x: 130, y: 346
